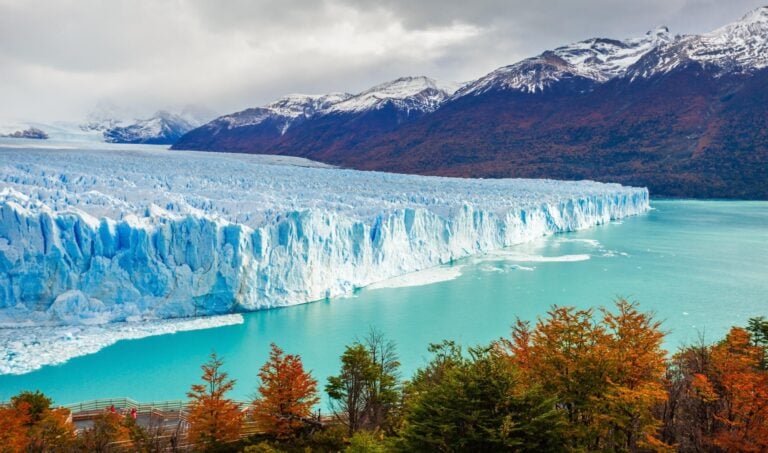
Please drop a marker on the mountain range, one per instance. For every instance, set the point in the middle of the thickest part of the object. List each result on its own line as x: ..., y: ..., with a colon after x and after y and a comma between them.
x: 162, y: 128
x: 686, y: 116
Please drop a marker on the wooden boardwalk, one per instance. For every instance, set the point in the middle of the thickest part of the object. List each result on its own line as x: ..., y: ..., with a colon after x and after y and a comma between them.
x: 166, y: 419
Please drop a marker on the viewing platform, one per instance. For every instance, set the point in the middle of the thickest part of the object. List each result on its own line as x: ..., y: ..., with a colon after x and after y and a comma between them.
x: 167, y: 421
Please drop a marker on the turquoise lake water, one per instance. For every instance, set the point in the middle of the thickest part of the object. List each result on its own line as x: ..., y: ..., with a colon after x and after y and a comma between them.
x: 701, y: 266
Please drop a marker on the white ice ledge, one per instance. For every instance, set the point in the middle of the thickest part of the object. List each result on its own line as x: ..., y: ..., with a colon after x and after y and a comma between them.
x: 89, y: 237
x: 29, y: 348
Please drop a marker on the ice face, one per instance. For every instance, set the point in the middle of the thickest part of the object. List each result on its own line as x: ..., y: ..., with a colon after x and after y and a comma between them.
x: 90, y: 236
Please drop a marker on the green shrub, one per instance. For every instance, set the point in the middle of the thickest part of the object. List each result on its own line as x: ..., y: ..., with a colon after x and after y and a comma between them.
x: 261, y: 447
x: 331, y: 438
x: 367, y: 442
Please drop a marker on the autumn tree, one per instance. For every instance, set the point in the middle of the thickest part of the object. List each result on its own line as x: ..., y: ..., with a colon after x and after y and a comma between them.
x: 286, y: 394
x: 31, y: 424
x: 742, y: 386
x: 106, y: 431
x: 53, y: 432
x: 635, y: 379
x: 36, y: 404
x: 686, y: 418
x: 13, y: 428
x: 606, y: 374
x: 565, y: 355
x: 213, y: 418
x: 718, y: 396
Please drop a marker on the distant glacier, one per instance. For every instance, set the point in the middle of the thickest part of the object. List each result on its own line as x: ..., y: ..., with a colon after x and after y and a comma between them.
x: 92, y: 237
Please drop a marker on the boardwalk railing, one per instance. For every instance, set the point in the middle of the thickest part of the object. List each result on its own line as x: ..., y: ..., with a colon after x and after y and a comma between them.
x: 128, y: 404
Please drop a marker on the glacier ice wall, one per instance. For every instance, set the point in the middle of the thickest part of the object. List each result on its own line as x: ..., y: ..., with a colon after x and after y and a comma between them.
x: 88, y: 237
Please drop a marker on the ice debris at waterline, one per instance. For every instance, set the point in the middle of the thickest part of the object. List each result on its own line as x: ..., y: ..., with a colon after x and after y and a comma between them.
x: 27, y: 349
x: 89, y: 237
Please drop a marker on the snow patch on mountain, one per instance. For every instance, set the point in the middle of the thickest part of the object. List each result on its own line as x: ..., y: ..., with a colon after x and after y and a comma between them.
x: 283, y: 113
x: 420, y: 94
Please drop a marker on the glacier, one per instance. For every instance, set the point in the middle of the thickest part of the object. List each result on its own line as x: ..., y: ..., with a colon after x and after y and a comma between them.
x: 91, y: 236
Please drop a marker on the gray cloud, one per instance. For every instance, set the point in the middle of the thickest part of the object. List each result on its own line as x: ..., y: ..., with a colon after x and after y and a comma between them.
x: 59, y: 58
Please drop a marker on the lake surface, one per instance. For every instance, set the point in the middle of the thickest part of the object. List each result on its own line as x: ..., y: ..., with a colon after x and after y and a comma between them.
x: 701, y: 266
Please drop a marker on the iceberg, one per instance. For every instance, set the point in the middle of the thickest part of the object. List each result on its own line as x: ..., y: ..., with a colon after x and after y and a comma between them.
x: 92, y: 236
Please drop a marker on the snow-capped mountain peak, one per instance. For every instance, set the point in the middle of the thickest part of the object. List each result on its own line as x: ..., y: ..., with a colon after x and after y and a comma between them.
x: 407, y: 93
x: 283, y: 112
x: 743, y: 43
x: 602, y: 59
x: 162, y: 128
x: 596, y: 59
x: 295, y: 105
x: 740, y: 46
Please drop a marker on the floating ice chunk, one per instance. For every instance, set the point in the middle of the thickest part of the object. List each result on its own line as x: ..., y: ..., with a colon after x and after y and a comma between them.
x: 420, y: 278
x: 594, y: 243
x: 511, y: 255
x: 74, y: 307
x: 504, y: 268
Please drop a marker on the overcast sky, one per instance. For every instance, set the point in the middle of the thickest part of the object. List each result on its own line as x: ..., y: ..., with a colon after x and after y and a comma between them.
x: 59, y: 59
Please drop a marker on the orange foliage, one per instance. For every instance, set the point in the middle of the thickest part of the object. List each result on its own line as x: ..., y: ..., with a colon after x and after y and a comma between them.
x: 703, y: 389
x: 107, y: 429
x: 213, y: 418
x: 53, y: 431
x: 607, y: 375
x: 743, y: 389
x: 719, y: 396
x: 13, y: 429
x: 636, y: 372
x: 288, y: 394
x: 48, y: 430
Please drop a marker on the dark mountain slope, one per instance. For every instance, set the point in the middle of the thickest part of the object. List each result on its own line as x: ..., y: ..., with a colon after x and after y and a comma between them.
x: 683, y: 133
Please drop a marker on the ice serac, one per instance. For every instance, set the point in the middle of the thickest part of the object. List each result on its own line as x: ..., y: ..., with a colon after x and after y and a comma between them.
x: 161, y: 235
